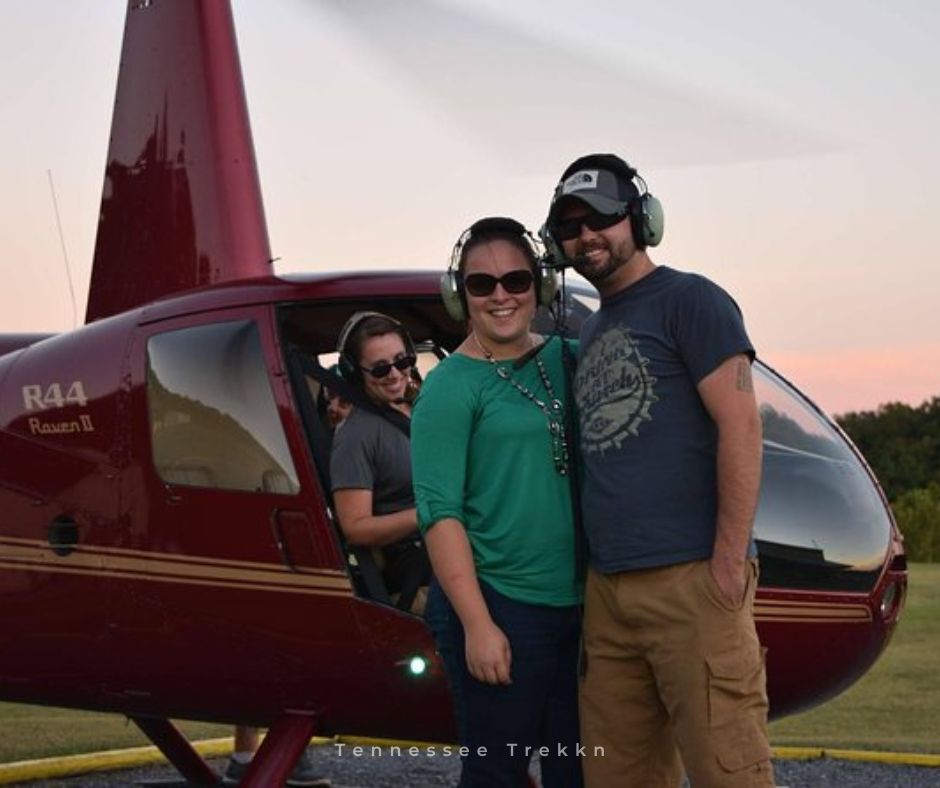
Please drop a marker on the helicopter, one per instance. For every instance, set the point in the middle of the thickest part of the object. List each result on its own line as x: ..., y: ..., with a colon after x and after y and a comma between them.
x: 168, y: 547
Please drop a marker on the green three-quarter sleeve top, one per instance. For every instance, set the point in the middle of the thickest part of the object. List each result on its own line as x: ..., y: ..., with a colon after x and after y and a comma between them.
x: 482, y: 454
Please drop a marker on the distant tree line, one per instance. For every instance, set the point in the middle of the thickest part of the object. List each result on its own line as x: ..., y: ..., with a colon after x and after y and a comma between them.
x: 902, y: 445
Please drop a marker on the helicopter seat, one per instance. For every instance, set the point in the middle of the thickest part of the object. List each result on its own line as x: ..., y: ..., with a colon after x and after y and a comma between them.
x: 188, y: 475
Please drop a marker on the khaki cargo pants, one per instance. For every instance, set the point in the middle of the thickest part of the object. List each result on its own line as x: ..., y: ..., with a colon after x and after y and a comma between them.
x: 671, y: 667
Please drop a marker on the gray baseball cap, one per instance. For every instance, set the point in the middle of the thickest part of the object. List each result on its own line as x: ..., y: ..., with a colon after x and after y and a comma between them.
x: 602, y: 181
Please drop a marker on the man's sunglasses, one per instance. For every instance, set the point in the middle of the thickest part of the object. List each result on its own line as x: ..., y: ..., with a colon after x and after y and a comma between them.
x: 514, y: 282
x: 569, y: 229
x: 381, y: 370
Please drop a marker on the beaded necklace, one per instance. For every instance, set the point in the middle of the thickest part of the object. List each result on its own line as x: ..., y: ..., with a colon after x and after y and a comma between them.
x: 554, y: 410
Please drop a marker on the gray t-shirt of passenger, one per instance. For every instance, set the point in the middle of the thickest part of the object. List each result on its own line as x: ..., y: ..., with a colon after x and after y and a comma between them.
x: 648, y: 445
x: 370, y: 453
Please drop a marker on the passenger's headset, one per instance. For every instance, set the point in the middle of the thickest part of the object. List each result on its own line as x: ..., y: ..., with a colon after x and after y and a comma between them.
x: 348, y: 367
x: 453, y: 291
x: 647, y: 222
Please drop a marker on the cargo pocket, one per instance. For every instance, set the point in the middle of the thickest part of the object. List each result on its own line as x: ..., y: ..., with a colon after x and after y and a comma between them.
x: 737, y: 708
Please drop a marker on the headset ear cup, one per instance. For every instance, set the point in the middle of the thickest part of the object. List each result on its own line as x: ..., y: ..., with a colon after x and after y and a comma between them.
x: 452, y: 297
x: 555, y: 254
x: 654, y: 221
x: 409, y: 343
x: 637, y: 224
x: 346, y: 369
x: 647, y: 221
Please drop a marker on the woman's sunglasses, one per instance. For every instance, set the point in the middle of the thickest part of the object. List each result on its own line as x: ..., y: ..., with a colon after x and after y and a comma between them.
x: 381, y: 370
x: 514, y: 282
x: 569, y: 229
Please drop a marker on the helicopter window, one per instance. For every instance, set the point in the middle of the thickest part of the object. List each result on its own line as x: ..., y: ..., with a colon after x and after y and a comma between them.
x: 213, y: 419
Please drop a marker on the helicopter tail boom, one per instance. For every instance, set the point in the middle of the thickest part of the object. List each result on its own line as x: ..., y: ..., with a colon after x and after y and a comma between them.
x: 181, y: 205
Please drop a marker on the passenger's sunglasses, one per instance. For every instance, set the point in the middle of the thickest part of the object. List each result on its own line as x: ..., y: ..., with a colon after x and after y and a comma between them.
x: 381, y: 370
x: 514, y: 282
x: 569, y: 229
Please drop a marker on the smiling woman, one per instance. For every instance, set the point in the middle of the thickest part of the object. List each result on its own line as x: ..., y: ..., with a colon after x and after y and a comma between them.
x: 504, y: 603
x: 370, y: 465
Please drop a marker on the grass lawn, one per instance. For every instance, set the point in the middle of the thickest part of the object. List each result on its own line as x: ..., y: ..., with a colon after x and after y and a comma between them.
x: 896, y: 706
x: 28, y: 732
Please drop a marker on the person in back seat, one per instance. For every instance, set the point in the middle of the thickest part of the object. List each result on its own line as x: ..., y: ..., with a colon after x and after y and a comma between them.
x: 370, y: 464
x: 331, y: 407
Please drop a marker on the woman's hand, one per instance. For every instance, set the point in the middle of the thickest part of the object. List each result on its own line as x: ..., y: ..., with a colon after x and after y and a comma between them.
x: 489, y: 657
x: 486, y: 647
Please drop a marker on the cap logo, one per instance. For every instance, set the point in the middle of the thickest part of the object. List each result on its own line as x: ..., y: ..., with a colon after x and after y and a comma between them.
x: 583, y: 179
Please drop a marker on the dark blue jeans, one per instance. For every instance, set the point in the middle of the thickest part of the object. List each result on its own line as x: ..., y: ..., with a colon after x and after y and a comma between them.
x: 539, y: 708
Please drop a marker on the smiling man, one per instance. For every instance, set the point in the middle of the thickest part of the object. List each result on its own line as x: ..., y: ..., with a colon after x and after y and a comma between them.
x: 671, y: 453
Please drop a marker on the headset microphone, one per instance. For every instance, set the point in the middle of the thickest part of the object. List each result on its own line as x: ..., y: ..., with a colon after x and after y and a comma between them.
x: 553, y: 258
x: 552, y: 263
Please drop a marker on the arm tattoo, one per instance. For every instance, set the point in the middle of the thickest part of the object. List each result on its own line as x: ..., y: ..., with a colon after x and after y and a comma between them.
x: 744, y: 381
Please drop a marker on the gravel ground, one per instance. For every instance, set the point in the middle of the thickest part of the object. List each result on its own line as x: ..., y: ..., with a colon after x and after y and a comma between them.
x: 392, y: 771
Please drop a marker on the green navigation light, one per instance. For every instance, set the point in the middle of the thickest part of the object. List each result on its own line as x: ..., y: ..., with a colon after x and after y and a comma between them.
x: 417, y: 666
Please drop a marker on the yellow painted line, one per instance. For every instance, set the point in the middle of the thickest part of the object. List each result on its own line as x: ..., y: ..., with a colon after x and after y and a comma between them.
x: 869, y: 756
x: 71, y: 765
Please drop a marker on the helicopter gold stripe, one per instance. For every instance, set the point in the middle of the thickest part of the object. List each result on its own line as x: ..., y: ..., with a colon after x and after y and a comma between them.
x: 116, y: 562
x: 116, y: 566
x: 175, y: 558
x: 812, y: 611
x: 809, y: 620
x: 46, y: 568
x: 146, y: 567
x: 796, y: 604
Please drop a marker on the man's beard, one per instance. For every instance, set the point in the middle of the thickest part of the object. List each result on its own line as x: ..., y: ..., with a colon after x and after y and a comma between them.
x: 592, y: 272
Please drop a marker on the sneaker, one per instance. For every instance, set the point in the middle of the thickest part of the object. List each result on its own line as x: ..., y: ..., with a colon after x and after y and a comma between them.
x: 234, y: 771
x: 303, y: 774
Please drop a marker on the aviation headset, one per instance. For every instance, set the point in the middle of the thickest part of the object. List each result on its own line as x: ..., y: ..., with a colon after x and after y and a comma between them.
x: 348, y: 366
x: 493, y: 228
x: 609, y: 185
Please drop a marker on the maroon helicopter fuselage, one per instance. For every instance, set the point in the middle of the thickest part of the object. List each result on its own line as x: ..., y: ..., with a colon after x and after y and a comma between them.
x: 127, y: 592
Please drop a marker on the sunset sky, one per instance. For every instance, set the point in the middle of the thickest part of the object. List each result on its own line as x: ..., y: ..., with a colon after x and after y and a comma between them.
x: 793, y: 145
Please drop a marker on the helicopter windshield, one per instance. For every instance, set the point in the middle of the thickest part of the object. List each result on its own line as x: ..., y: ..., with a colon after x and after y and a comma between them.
x: 821, y: 520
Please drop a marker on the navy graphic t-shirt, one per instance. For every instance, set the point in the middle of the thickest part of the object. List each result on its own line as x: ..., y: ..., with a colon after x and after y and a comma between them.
x: 647, y: 443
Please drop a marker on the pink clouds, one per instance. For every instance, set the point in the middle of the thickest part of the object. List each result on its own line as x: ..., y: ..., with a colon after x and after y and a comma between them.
x: 841, y: 380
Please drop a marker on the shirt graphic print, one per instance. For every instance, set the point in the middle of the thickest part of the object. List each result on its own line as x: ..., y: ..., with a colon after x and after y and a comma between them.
x: 613, y: 389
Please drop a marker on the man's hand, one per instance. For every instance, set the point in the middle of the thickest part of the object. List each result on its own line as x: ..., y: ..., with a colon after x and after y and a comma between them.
x: 730, y: 575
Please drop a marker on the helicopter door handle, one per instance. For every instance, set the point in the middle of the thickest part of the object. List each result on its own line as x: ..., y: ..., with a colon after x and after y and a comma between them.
x: 278, y: 533
x: 63, y: 535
